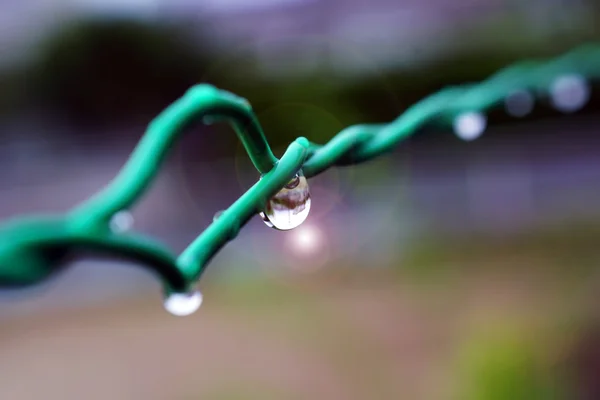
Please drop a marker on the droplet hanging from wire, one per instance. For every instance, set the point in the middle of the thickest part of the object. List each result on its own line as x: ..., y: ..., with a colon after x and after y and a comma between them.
x: 290, y: 206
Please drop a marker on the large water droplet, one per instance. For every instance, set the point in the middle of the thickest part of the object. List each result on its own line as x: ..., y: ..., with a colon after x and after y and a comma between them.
x: 183, y: 304
x: 290, y: 207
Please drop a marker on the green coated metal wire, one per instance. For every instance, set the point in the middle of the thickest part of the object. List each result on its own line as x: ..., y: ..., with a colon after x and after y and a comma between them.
x: 33, y: 248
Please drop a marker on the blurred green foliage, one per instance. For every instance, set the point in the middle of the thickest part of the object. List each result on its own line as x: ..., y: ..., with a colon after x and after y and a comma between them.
x: 573, y: 242
x: 504, y: 364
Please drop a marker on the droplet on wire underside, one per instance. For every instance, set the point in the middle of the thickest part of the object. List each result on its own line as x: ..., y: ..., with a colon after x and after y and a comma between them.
x: 183, y: 304
x: 470, y: 125
x: 218, y: 215
x: 519, y: 103
x: 290, y: 206
x: 569, y: 93
x: 121, y: 222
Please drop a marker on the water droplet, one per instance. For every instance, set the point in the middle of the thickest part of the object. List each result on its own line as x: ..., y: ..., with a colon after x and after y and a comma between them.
x: 569, y: 93
x: 290, y: 207
x: 121, y: 222
x: 470, y: 125
x: 519, y: 103
x: 183, y: 304
x: 218, y: 214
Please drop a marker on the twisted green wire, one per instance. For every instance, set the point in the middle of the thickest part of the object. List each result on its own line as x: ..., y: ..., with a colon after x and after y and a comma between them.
x: 34, y: 248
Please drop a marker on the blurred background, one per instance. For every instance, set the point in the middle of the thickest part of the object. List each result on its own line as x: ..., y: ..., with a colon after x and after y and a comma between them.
x: 452, y: 268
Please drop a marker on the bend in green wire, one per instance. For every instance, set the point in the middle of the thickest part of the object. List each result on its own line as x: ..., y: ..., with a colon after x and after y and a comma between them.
x: 33, y: 248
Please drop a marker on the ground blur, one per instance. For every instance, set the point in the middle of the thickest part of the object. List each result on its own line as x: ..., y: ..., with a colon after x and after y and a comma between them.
x: 508, y: 320
x: 467, y: 316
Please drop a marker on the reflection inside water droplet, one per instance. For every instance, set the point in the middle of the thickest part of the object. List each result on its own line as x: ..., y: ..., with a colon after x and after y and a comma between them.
x: 290, y: 207
x: 182, y: 304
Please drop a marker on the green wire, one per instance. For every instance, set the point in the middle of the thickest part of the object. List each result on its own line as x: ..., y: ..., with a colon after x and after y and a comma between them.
x: 33, y: 248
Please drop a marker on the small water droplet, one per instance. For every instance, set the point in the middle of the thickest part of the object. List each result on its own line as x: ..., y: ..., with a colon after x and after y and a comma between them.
x: 519, y: 103
x: 121, y: 222
x: 218, y: 214
x: 183, y: 304
x: 570, y: 93
x: 290, y: 207
x: 470, y: 125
